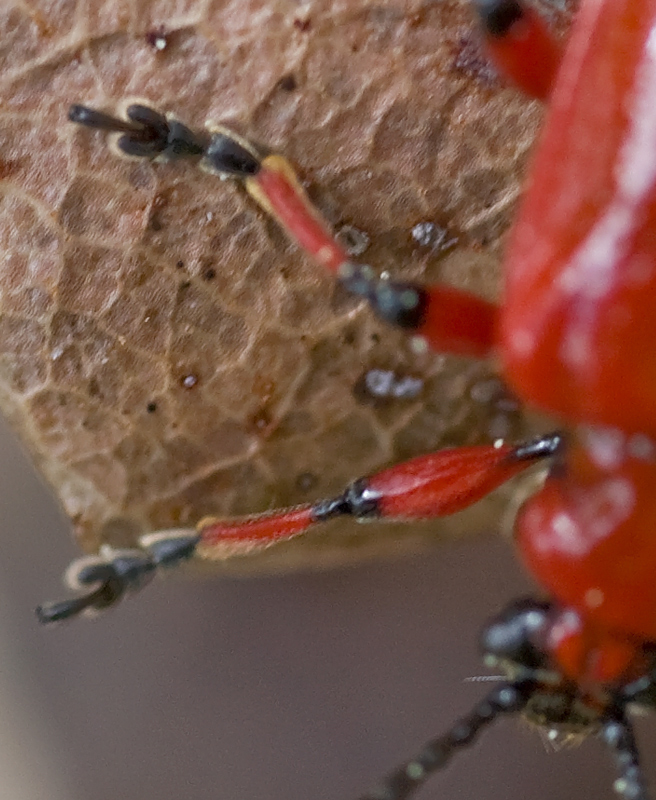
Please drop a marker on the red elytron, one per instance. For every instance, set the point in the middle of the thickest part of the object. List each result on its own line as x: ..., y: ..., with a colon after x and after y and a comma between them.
x: 574, y: 335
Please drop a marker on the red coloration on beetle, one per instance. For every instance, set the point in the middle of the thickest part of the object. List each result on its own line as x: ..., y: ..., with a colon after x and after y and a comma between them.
x: 528, y: 54
x: 444, y: 482
x: 458, y: 322
x: 279, y: 191
x: 266, y: 528
x: 428, y: 486
x: 588, y: 537
x: 579, y: 317
x: 577, y: 326
x: 455, y: 321
x: 425, y: 487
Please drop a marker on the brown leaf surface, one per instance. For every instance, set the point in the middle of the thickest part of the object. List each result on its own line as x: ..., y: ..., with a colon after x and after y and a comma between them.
x: 165, y: 352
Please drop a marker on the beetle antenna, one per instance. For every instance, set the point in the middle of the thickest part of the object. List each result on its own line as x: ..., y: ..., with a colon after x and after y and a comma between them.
x: 508, y: 698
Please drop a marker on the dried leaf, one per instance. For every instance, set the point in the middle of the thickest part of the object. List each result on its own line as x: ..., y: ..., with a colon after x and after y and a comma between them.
x: 165, y: 352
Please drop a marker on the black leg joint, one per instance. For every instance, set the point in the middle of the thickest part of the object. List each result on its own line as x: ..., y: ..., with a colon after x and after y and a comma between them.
x: 546, y: 446
x: 329, y: 509
x: 170, y: 548
x: 517, y: 634
x: 498, y: 16
x: 182, y: 142
x: 403, y: 304
x: 230, y: 155
x: 362, y: 502
x: 158, y: 136
x: 357, y: 501
x: 133, y: 568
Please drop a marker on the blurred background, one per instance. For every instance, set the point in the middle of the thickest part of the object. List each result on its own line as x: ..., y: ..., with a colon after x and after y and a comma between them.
x: 308, y: 686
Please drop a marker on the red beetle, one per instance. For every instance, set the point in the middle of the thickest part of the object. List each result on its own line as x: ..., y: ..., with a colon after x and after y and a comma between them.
x: 573, y: 337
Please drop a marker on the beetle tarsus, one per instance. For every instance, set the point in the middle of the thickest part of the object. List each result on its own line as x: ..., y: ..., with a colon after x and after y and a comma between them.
x: 229, y: 154
x: 114, y: 573
x: 544, y: 446
x: 169, y: 548
x: 498, y: 16
x: 144, y: 134
x: 104, y: 596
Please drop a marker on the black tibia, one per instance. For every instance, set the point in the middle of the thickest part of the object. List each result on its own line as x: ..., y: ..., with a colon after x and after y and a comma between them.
x: 357, y: 501
x: 543, y: 447
x: 508, y: 698
x: 617, y: 732
x: 145, y: 133
x: 229, y: 154
x: 113, y: 573
x: 498, y: 16
x: 397, y: 302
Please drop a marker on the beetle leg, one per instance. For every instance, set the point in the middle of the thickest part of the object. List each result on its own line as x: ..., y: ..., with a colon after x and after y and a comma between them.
x: 448, y: 319
x: 425, y: 487
x: 144, y: 134
x: 521, y: 44
x: 508, y: 698
x: 111, y: 574
x: 617, y: 733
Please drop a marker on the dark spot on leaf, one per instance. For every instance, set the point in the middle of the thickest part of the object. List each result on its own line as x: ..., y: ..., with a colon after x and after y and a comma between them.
x: 287, y: 83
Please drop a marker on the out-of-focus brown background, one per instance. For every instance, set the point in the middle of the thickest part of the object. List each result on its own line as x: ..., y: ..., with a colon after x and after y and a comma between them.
x: 308, y: 686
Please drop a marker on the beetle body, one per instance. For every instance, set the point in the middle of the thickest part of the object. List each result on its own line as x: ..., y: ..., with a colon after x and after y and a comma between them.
x: 580, y: 283
x: 579, y: 313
